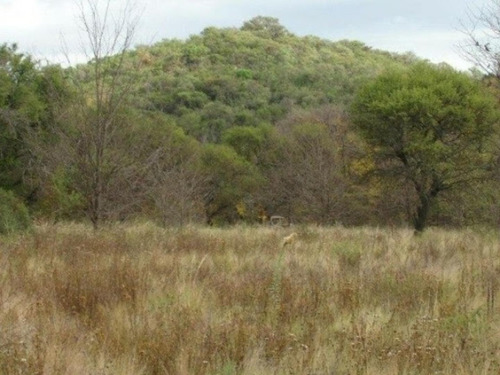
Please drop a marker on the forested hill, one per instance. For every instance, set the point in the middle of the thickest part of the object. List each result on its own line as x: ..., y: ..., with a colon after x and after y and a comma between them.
x: 237, y: 124
x: 251, y: 75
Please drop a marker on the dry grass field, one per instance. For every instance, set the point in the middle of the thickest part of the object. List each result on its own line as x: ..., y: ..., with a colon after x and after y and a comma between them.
x: 142, y: 300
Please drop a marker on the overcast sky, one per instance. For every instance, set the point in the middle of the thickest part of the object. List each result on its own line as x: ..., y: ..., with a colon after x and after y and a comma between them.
x: 429, y: 28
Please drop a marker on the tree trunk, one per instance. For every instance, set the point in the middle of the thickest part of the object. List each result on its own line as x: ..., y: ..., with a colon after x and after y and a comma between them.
x: 425, y: 201
x: 420, y: 217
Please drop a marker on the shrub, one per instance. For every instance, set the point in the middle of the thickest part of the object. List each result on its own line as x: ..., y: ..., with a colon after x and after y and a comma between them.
x: 14, y: 215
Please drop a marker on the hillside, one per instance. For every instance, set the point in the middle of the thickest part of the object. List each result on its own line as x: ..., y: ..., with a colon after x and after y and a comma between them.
x: 256, y: 74
x: 231, y: 125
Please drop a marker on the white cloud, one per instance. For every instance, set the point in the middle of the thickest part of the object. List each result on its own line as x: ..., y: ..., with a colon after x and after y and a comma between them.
x: 21, y: 14
x: 35, y: 25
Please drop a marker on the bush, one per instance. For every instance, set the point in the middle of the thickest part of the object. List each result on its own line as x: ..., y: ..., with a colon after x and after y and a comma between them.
x: 14, y: 215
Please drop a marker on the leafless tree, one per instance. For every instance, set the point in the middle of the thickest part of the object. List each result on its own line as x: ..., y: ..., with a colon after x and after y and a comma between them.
x: 96, y: 137
x: 482, y: 47
x: 482, y: 37
x: 175, y: 185
x: 312, y: 178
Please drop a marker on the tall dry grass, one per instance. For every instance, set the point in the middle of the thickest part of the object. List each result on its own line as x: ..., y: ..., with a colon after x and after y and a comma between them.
x: 145, y: 300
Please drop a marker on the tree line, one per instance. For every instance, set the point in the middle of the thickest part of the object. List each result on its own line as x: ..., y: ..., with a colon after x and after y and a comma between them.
x: 237, y: 124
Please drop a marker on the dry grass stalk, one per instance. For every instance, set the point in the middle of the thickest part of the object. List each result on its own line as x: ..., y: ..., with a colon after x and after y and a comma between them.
x: 146, y: 300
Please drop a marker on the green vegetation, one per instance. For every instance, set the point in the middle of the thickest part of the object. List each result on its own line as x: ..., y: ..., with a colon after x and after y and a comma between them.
x: 430, y: 127
x: 22, y: 107
x: 14, y: 215
x: 139, y: 299
x: 238, y: 124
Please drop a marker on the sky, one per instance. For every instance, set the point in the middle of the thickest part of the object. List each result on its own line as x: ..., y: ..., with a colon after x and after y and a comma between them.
x: 429, y: 28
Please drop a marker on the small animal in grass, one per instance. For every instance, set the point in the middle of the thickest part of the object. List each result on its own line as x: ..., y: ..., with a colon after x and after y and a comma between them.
x: 288, y: 240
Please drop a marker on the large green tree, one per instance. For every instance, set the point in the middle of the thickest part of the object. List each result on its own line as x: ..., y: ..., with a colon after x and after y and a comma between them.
x: 21, y: 108
x: 428, y: 125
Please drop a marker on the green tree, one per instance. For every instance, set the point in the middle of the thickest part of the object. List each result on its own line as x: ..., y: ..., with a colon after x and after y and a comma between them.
x: 266, y: 27
x: 248, y: 141
x: 14, y: 215
x: 230, y: 181
x: 429, y: 125
x: 21, y: 109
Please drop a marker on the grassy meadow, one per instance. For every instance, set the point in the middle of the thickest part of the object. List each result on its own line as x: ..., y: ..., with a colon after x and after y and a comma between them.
x: 141, y: 300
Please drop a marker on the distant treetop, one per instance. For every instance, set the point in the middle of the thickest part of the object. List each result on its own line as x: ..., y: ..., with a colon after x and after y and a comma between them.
x: 266, y: 27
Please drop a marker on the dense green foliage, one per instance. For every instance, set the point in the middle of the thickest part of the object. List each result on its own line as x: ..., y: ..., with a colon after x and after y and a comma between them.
x: 245, y: 77
x: 14, y: 215
x: 429, y: 126
x: 21, y: 106
x: 240, y: 124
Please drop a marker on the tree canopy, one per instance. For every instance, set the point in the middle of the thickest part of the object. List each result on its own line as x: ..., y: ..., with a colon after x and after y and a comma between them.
x: 429, y: 125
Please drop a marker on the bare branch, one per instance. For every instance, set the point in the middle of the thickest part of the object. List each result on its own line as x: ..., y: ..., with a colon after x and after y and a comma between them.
x: 482, y: 43
x: 96, y: 140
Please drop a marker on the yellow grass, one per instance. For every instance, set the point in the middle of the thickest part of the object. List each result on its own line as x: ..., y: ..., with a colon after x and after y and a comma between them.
x: 139, y: 299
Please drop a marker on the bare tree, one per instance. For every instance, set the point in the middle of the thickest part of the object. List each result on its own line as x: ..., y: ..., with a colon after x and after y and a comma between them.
x: 482, y: 47
x: 96, y: 138
x: 312, y: 178
x: 175, y: 185
x: 482, y: 43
